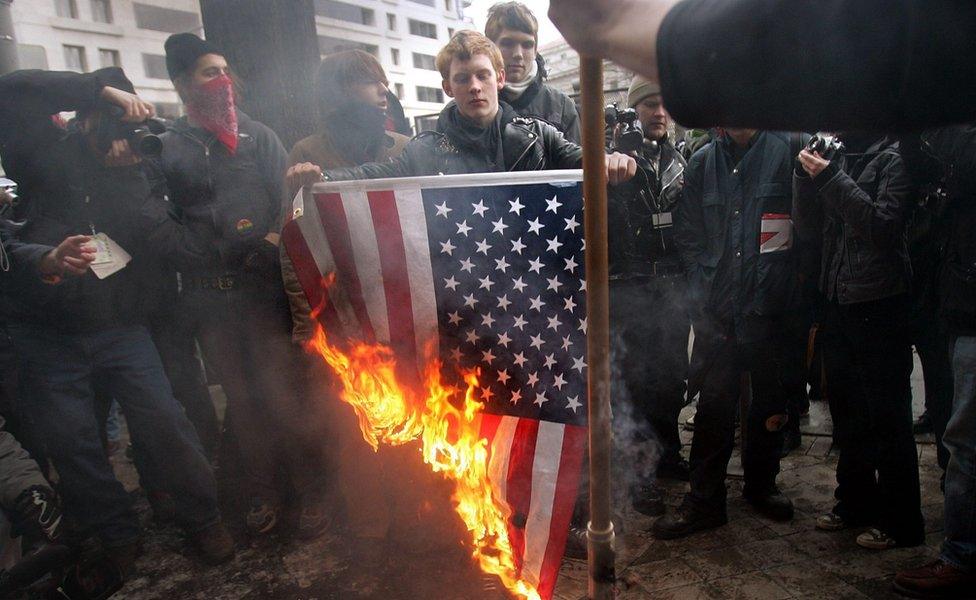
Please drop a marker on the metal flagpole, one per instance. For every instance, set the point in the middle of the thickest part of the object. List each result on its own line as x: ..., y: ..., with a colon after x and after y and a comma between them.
x: 599, y: 532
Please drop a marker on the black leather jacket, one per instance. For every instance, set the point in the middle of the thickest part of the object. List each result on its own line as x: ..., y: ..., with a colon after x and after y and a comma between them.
x: 232, y: 201
x: 527, y: 145
x: 859, y: 205
x: 640, y: 216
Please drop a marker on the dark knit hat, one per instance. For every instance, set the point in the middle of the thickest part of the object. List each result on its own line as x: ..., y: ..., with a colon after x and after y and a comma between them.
x: 183, y: 50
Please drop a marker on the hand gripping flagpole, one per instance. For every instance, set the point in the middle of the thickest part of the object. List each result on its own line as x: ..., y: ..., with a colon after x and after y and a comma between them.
x: 599, y: 533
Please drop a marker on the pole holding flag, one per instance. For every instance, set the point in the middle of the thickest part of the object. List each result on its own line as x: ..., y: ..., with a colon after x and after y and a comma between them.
x: 599, y: 532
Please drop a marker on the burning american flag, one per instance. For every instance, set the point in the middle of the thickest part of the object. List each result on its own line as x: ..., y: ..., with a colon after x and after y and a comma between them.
x: 453, y: 313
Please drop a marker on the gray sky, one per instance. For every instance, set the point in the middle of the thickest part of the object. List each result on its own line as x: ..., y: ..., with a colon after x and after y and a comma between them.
x: 547, y: 31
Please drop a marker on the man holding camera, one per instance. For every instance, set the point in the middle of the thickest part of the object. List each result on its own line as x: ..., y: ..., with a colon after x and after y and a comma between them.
x: 87, y: 184
x: 647, y: 289
x: 735, y: 238
x: 855, y: 200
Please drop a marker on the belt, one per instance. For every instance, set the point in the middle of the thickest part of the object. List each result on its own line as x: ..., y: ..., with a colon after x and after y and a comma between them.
x: 666, y: 269
x: 221, y: 282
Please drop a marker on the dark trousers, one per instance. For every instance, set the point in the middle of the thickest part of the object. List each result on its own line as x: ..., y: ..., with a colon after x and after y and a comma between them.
x: 868, y: 364
x: 931, y: 340
x: 723, y: 360
x: 649, y: 349
x: 244, y: 334
x: 59, y: 370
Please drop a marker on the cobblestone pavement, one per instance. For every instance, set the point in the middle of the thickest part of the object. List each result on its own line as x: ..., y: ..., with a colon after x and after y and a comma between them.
x: 748, y: 558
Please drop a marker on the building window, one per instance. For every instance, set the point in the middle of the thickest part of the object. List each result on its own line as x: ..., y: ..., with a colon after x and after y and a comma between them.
x: 344, y: 12
x: 450, y: 32
x: 74, y: 59
x: 391, y: 21
x: 395, y: 56
x: 448, y: 5
x: 108, y: 58
x: 430, y: 94
x: 169, y: 20
x: 399, y: 90
x: 66, y: 8
x: 423, y: 29
x: 424, y: 2
x: 155, y: 66
x: 32, y: 56
x: 101, y: 11
x: 424, y: 61
x: 331, y: 45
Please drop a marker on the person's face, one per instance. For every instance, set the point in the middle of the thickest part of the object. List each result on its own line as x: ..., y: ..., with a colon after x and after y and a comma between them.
x: 207, y: 68
x: 370, y: 92
x: 653, y: 118
x: 474, y: 85
x: 518, y: 52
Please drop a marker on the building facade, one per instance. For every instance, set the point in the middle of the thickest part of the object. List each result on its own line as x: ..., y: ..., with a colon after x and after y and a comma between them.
x: 84, y: 35
x: 563, y: 65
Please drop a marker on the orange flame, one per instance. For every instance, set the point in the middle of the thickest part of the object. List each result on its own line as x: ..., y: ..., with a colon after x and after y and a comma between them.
x: 394, y: 414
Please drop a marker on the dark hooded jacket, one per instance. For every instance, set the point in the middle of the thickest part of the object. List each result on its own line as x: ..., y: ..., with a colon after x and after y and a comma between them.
x: 545, y: 102
x: 68, y: 192
x: 230, y: 200
x: 737, y: 276
x: 858, y: 207
x: 513, y: 143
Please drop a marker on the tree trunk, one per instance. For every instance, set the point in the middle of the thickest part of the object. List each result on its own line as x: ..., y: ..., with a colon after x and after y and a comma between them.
x: 272, y: 46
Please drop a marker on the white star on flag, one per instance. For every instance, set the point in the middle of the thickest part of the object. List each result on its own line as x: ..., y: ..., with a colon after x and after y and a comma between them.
x: 553, y: 204
x: 550, y: 360
x: 573, y: 403
x: 518, y: 246
x: 503, y: 339
x: 554, y: 322
x: 571, y: 224
x: 479, y: 208
x: 554, y: 244
x: 579, y: 364
x: 532, y: 379
x: 487, y: 356
x: 487, y: 320
x: 570, y: 304
x: 442, y: 209
x: 536, y: 341
x: 554, y: 283
x: 520, y: 322
x: 503, y: 302
x: 535, y: 226
x: 503, y: 376
x: 516, y: 205
x: 451, y: 283
x: 454, y: 318
x: 500, y: 226
x: 470, y: 300
x: 519, y: 285
x: 466, y: 265
x: 501, y: 264
x: 483, y: 247
x: 471, y: 337
x: 448, y: 248
x: 463, y: 228
x: 486, y: 283
x: 559, y: 382
x: 571, y: 264
x: 535, y: 266
x: 540, y: 399
x: 536, y: 303
x: 520, y: 359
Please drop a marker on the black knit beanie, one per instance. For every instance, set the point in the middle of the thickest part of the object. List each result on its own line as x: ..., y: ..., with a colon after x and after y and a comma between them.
x: 183, y: 50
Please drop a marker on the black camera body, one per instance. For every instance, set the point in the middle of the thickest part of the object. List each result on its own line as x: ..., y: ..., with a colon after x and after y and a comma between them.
x: 143, y: 137
x: 625, y: 127
x: 826, y: 145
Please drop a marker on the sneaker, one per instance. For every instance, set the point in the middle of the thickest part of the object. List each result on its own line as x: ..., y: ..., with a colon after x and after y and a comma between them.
x: 773, y: 505
x: 262, y: 516
x: 831, y: 522
x: 647, y: 500
x: 875, y: 539
x: 214, y: 544
x: 937, y: 579
x: 923, y: 424
x: 686, y: 521
x: 313, y: 518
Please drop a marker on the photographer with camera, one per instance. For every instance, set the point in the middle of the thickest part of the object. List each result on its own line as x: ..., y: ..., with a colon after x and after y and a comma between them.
x: 67, y: 332
x: 647, y: 287
x: 735, y: 238
x: 853, y: 195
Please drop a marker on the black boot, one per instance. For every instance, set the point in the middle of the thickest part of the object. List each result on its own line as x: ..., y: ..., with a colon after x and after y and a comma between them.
x: 685, y: 521
x: 771, y: 504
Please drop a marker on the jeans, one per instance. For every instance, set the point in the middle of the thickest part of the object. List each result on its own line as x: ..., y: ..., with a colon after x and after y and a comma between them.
x: 868, y: 365
x: 59, y: 370
x: 650, y: 327
x: 959, y: 547
x: 723, y: 361
x: 932, y: 343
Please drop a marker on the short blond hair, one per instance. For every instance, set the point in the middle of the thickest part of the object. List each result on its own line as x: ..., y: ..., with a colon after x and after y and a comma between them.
x: 465, y: 44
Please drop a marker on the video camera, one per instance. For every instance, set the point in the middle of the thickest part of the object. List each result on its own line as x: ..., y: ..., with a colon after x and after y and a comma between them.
x: 143, y: 137
x: 627, y: 135
x: 58, y: 572
x: 826, y: 145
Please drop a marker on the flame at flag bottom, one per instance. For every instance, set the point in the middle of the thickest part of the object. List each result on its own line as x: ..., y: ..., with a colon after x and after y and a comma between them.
x: 444, y: 419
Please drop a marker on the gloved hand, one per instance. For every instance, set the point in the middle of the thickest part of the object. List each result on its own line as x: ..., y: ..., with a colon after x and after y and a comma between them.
x: 263, y: 261
x: 38, y: 508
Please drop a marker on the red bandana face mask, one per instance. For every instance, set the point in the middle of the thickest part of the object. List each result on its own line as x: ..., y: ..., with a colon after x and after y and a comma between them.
x: 212, y: 107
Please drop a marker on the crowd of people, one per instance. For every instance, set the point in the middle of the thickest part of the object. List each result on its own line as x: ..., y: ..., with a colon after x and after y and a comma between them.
x: 135, y: 279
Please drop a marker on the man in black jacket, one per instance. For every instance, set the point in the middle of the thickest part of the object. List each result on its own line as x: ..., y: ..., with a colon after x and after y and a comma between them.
x: 953, y: 574
x: 68, y: 332
x: 735, y: 238
x: 225, y: 175
x: 921, y: 70
x: 857, y: 204
x: 515, y: 30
